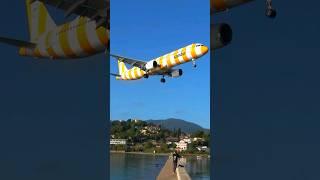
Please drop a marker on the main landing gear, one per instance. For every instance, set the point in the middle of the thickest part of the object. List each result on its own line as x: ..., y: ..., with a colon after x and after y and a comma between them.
x: 194, y: 63
x: 146, y: 76
x: 270, y: 11
x: 162, y: 80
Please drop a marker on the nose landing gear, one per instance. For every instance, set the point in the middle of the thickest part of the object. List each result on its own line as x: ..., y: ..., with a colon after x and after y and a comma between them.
x: 162, y: 80
x: 270, y: 11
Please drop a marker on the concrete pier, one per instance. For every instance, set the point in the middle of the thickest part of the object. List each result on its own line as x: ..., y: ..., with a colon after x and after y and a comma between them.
x: 166, y: 172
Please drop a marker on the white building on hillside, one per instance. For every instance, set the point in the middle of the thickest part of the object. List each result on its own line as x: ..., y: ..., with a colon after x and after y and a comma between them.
x: 187, y: 140
x: 197, y: 139
x: 202, y: 148
x: 118, y: 141
x: 182, y: 145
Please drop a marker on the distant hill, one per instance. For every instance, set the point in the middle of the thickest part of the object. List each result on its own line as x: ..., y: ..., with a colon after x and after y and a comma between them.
x: 185, y: 126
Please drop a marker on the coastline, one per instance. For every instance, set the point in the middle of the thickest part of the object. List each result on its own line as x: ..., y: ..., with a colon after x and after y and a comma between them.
x: 157, y: 154
x: 142, y: 153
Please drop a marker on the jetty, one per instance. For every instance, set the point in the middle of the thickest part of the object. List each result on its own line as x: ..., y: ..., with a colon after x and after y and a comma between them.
x: 166, y: 172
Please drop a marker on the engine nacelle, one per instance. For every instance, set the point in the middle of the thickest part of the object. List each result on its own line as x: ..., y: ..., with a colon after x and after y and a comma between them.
x: 151, y: 65
x: 221, y: 35
x: 176, y: 73
x: 222, y: 5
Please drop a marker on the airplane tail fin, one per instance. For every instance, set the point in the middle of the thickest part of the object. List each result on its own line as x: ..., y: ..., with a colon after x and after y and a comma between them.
x: 122, y: 67
x: 39, y: 19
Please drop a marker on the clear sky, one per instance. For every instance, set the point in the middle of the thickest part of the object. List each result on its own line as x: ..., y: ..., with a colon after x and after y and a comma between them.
x: 146, y: 29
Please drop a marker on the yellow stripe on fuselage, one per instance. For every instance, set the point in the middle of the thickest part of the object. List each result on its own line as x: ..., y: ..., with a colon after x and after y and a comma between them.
x: 184, y: 54
x: 64, y: 41
x: 193, y: 51
x: 50, y: 50
x: 83, y: 38
x: 28, y: 5
x: 168, y: 60
x: 136, y: 73
x: 176, y: 59
x: 36, y: 53
x: 102, y: 35
x: 160, y: 61
x: 42, y: 20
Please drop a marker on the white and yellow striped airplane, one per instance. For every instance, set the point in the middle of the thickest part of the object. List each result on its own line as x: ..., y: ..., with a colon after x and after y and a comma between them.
x: 86, y: 35
x: 159, y: 66
x: 221, y: 33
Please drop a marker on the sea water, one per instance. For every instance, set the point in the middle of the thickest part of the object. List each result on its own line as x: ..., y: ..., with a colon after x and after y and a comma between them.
x: 147, y: 167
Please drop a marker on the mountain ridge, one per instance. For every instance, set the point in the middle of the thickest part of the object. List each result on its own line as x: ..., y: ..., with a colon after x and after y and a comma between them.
x: 174, y: 123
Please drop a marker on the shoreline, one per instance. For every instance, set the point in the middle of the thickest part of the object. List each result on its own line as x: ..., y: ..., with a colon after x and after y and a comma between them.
x: 156, y: 154
x: 142, y: 153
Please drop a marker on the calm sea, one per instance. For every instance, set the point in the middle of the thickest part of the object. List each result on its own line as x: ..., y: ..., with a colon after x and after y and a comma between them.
x: 146, y: 167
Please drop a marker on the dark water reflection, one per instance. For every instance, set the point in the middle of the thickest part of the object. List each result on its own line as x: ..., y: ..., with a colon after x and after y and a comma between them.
x: 135, y: 166
x: 198, y: 167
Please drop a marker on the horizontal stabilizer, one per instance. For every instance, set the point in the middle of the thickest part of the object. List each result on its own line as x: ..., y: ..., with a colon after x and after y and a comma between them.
x: 117, y: 75
x: 132, y: 62
x: 17, y: 43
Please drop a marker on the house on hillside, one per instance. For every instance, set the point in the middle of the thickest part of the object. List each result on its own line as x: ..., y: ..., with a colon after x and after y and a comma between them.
x: 203, y: 148
x: 187, y: 140
x: 143, y: 131
x: 197, y: 139
x: 182, y: 145
x: 172, y: 139
x: 135, y: 120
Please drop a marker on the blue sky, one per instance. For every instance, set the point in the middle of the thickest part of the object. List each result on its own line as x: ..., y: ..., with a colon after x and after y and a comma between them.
x: 147, y: 29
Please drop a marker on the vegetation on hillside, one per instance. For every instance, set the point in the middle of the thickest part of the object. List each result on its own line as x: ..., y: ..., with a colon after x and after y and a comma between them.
x: 142, y: 136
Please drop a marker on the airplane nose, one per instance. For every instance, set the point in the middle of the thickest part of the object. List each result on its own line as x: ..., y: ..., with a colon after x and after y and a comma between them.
x: 204, y: 49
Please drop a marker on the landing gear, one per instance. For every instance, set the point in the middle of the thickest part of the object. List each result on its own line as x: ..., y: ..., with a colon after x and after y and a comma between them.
x: 194, y: 63
x: 162, y: 80
x: 146, y: 76
x: 270, y: 11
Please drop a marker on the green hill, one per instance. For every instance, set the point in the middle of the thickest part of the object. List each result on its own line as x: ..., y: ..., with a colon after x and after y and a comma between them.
x: 172, y: 123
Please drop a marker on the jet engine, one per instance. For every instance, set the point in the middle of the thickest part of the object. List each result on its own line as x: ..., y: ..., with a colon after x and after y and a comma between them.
x: 151, y: 65
x: 221, y: 35
x: 176, y: 73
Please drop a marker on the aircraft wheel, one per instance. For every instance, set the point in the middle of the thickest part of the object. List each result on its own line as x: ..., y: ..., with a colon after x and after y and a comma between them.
x: 146, y: 76
x: 162, y: 80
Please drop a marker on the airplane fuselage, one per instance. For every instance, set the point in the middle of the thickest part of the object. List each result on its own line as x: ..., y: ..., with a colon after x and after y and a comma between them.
x: 222, y: 5
x: 166, y: 62
x: 75, y: 39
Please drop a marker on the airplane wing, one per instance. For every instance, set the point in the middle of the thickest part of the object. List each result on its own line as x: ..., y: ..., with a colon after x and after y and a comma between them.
x: 132, y: 62
x: 18, y: 43
x: 93, y: 9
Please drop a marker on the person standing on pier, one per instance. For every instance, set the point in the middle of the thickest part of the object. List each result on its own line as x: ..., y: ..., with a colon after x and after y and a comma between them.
x: 175, y: 157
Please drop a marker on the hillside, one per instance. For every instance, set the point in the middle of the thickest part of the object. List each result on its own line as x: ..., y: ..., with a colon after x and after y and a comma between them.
x: 172, y: 123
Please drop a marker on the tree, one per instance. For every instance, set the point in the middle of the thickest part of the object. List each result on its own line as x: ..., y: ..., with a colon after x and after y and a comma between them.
x: 179, y: 132
x: 148, y: 145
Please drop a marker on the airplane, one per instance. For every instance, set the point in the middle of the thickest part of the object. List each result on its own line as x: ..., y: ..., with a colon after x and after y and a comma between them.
x: 221, y: 33
x: 87, y: 34
x: 159, y: 66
